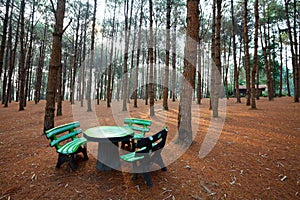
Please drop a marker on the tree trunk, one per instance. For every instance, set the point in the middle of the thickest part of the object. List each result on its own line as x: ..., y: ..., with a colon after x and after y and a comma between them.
x: 294, y: 60
x: 83, y: 61
x: 216, y: 70
x: 39, y: 72
x: 189, y: 71
x: 75, y: 59
x: 127, y: 38
x: 269, y: 67
x: 199, y: 56
x: 22, y: 59
x: 247, y: 55
x: 150, y: 52
x: 12, y: 59
x: 4, y: 32
x: 168, y: 47
x: 287, y: 73
x: 59, y: 92
x: 138, y: 56
x: 297, y: 58
x: 236, y: 73
x: 55, y: 63
x: 174, y: 36
x: 29, y: 56
x: 108, y: 100
x: 89, y: 92
x: 281, y: 63
x: 213, y: 52
x: 255, y: 65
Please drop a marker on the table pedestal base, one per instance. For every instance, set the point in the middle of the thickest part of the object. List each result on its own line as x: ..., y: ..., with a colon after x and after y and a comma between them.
x: 108, y: 156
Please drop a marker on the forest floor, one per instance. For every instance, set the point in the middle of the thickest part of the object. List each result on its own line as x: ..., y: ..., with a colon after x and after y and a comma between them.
x: 256, y: 156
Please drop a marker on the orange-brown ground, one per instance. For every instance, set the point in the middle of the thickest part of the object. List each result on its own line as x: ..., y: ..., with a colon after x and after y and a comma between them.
x: 256, y: 157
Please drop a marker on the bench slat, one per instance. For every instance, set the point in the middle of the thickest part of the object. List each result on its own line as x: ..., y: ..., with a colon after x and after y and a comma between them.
x: 141, y: 129
x: 60, y: 129
x: 65, y: 137
x: 137, y: 121
x: 72, y: 146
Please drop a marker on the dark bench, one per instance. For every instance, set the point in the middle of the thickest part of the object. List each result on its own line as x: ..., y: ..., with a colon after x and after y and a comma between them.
x: 147, y: 152
x: 140, y: 128
x: 67, y: 145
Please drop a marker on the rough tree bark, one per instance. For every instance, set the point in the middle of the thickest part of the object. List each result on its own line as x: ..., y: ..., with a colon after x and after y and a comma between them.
x: 255, y: 65
x: 236, y: 73
x: 108, y: 100
x: 189, y: 73
x: 168, y: 46
x: 22, y: 71
x: 247, y: 55
x: 151, y: 61
x: 4, y: 32
x: 55, y: 63
x: 138, y: 56
x: 89, y: 89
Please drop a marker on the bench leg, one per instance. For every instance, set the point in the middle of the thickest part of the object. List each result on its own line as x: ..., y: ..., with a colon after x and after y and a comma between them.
x: 72, y: 162
x: 62, y: 158
x: 147, y: 178
x: 84, y: 152
x: 158, y: 160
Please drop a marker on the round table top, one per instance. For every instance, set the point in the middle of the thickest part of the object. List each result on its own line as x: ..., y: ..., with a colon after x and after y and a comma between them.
x: 115, y: 133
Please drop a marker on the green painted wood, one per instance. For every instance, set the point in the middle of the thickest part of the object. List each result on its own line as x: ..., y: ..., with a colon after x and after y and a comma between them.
x: 65, y: 137
x: 137, y: 121
x: 62, y: 128
x: 72, y: 146
x: 137, y: 128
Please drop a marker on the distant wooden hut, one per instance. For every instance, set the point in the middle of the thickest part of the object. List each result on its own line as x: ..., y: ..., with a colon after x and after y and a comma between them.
x: 243, y: 89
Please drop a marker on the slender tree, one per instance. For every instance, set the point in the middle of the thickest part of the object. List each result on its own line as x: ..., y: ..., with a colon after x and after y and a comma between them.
x: 255, y: 66
x: 213, y: 51
x: 127, y: 38
x: 168, y: 47
x: 22, y: 71
x: 55, y: 63
x: 218, y: 70
x: 83, y: 53
x: 236, y: 72
x: 28, y: 66
x: 108, y: 100
x: 174, y: 43
x: 4, y: 32
x: 74, y: 58
x: 281, y: 63
x: 247, y: 55
x: 189, y: 73
x: 138, y: 55
x: 39, y: 72
x: 89, y: 92
x: 8, y: 60
x: 293, y: 50
x: 12, y: 58
x: 151, y: 60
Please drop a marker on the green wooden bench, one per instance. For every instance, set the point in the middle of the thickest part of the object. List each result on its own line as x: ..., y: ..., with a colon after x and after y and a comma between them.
x: 67, y: 145
x: 140, y: 128
x: 147, y: 152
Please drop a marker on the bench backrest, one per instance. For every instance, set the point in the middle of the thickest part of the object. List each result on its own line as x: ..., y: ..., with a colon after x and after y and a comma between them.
x: 61, y: 133
x: 151, y: 144
x: 140, y: 125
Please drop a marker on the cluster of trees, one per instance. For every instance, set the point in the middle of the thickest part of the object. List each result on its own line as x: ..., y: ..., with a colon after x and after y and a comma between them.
x: 57, y: 50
